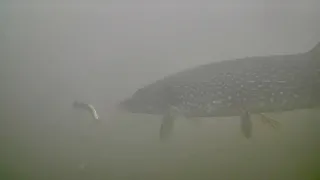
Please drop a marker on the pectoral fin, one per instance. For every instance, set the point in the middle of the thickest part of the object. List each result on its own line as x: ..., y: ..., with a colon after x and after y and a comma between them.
x: 167, y: 124
x: 246, y: 124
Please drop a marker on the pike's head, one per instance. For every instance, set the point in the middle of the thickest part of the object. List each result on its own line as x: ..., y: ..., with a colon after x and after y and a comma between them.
x: 146, y: 101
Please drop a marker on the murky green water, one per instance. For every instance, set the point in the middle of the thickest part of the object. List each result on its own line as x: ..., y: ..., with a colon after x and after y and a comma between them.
x: 127, y: 147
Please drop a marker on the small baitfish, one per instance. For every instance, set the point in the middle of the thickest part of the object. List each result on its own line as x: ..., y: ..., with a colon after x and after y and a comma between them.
x: 87, y: 107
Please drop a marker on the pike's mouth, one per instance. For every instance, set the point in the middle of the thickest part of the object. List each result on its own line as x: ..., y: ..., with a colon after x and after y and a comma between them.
x: 124, y: 106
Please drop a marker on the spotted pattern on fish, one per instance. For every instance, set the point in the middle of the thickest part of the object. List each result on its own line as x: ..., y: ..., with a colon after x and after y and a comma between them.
x: 258, y: 84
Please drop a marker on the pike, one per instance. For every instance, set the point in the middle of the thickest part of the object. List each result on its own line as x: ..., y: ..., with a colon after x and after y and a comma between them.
x: 239, y: 87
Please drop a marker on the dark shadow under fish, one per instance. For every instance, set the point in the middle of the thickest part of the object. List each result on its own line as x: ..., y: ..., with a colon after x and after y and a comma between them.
x: 240, y: 87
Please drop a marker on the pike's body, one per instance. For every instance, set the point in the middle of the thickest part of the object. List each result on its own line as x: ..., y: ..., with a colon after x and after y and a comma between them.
x: 234, y: 87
